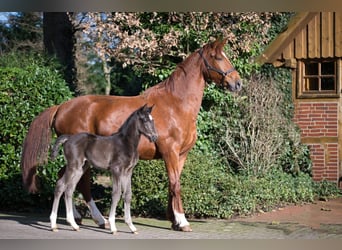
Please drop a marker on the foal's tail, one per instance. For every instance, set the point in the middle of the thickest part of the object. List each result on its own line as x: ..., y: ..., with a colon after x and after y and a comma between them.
x: 36, y: 147
x: 60, y: 141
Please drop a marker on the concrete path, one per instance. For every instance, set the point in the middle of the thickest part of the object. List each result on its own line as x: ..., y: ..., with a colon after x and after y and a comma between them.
x: 33, y: 226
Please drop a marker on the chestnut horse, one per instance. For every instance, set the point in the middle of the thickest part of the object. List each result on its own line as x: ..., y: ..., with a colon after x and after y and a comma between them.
x: 177, y: 102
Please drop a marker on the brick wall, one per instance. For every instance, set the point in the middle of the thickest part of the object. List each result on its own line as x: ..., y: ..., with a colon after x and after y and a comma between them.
x: 318, y: 122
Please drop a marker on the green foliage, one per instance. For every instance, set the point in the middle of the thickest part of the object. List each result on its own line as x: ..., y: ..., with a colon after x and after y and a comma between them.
x: 208, y: 190
x: 21, y: 31
x: 325, y: 190
x: 28, y: 86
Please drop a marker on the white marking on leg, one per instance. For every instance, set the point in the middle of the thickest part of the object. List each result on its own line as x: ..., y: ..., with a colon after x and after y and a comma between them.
x: 180, y: 219
x: 70, y: 219
x: 69, y: 212
x: 96, y: 214
x: 128, y: 218
x: 53, y: 221
x: 111, y: 219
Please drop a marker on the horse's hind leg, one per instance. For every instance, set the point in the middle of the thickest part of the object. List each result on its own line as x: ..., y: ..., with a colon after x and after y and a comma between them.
x: 59, y: 190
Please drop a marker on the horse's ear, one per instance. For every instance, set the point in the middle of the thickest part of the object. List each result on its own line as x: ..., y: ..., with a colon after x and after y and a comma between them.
x: 224, y: 40
x: 220, y: 42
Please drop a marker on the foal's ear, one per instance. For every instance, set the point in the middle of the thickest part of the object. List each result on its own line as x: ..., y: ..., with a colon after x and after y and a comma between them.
x: 150, y: 108
x: 146, y: 108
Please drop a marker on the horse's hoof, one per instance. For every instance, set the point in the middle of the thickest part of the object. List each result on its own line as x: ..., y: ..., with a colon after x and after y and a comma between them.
x: 135, y: 232
x: 55, y: 230
x: 114, y: 232
x: 186, y: 228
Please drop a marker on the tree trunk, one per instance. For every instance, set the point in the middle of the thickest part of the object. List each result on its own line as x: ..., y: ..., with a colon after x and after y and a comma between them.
x: 59, y: 41
x: 107, y: 69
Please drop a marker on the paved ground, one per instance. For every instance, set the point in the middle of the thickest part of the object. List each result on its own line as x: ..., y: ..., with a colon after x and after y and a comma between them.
x: 322, y: 220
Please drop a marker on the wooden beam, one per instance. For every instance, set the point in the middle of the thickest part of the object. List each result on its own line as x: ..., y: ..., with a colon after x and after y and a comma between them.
x: 314, y: 37
x: 327, y: 37
x: 273, y: 51
x: 338, y: 34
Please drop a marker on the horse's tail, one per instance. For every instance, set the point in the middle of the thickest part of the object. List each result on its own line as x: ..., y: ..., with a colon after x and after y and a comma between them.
x: 60, y: 141
x: 36, y: 147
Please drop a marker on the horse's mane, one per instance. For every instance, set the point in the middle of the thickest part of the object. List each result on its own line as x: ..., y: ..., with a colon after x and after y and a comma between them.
x: 169, y: 83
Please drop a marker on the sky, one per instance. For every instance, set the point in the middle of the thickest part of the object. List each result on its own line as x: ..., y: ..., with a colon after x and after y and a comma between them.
x: 3, y: 16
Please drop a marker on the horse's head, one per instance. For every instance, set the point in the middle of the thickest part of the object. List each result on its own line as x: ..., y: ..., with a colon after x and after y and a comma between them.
x: 218, y: 67
x: 146, y: 126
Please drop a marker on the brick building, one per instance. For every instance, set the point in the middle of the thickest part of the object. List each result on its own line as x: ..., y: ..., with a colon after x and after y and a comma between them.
x: 311, y: 46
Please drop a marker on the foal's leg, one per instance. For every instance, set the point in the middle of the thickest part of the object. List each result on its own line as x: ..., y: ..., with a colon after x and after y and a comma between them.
x: 116, y: 194
x: 59, y: 190
x: 73, y: 175
x: 127, y: 194
x: 77, y: 215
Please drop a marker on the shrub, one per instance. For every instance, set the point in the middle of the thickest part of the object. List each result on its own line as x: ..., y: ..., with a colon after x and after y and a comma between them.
x: 29, y: 84
x: 252, y: 132
x: 209, y: 190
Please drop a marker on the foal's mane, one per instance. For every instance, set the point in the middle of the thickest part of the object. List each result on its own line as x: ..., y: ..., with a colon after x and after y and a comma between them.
x: 124, y: 129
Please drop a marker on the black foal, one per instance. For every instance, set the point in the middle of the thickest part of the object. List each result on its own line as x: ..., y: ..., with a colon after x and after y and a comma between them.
x: 118, y: 153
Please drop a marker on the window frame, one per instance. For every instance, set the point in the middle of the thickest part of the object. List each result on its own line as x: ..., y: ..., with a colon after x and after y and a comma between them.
x: 300, y: 79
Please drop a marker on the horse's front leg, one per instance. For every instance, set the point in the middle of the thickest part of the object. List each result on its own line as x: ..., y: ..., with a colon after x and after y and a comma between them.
x: 84, y: 187
x: 174, y: 165
x: 127, y: 194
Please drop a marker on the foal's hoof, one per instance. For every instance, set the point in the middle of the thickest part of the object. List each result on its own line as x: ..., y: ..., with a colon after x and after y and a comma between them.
x: 135, y: 232
x: 186, y: 228
x: 78, y: 221
x: 104, y: 225
x: 55, y: 230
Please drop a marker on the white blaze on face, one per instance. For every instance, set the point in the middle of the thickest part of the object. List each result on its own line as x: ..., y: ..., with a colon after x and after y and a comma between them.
x: 150, y: 116
x: 224, y: 55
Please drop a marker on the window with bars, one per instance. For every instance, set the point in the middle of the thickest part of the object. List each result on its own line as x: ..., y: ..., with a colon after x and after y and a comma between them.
x: 318, y: 78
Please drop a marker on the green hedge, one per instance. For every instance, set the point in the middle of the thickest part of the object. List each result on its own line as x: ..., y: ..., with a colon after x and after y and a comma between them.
x: 28, y: 85
x: 208, y: 190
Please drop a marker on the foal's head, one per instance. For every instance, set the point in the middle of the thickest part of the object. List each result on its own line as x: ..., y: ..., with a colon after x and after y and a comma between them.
x: 146, y: 123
